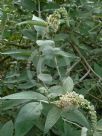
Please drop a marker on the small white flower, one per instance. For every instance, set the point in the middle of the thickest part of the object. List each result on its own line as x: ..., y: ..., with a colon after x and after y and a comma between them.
x: 81, y: 96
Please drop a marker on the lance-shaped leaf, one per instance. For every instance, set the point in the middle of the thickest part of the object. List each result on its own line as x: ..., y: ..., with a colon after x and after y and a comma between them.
x: 7, y: 129
x: 27, y: 117
x: 68, y: 84
x: 52, y: 118
x: 26, y: 95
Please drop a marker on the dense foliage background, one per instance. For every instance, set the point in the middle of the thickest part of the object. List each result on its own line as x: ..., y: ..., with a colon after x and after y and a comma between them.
x: 44, y: 58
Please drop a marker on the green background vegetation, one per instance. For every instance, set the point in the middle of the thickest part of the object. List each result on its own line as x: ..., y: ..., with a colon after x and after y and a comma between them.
x: 34, y: 62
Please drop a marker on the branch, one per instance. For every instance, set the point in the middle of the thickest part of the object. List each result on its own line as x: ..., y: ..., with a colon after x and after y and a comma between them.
x: 70, y: 69
x: 86, y: 74
x: 85, y: 61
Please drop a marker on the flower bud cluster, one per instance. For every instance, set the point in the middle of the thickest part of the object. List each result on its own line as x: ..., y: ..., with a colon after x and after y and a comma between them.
x: 55, y: 18
x: 67, y: 100
x: 72, y: 99
x: 54, y: 21
x: 63, y: 13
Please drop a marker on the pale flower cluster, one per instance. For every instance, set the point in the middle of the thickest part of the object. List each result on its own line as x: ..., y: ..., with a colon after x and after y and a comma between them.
x: 63, y: 12
x: 68, y: 100
x: 54, y: 19
x: 73, y: 99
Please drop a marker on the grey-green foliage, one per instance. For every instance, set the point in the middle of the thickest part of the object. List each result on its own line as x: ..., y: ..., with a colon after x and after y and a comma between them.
x: 7, y: 129
x: 27, y: 118
x: 41, y: 61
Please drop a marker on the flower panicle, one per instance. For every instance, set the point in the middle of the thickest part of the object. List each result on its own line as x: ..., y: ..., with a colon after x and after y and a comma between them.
x: 54, y: 19
x: 73, y: 99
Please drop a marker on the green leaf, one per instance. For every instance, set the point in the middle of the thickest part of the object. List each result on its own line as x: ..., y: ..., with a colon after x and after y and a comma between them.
x: 68, y: 84
x: 27, y: 85
x: 76, y: 116
x: 35, y: 18
x: 49, y: 51
x: 45, y: 43
x: 40, y: 65
x: 96, y: 133
x: 99, y: 125
x: 26, y: 95
x: 31, y: 22
x: 70, y: 131
x: 62, y: 61
x: 11, y: 103
x: 20, y: 54
x: 98, y: 69
x: 55, y: 91
x: 27, y: 117
x: 29, y: 34
x: 7, y: 129
x: 28, y: 4
x: 11, y: 52
x: 52, y: 118
x: 45, y: 78
x: 41, y: 29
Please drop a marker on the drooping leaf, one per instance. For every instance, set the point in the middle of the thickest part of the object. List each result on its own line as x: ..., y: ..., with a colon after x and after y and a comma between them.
x: 26, y: 95
x: 27, y: 117
x: 19, y: 54
x: 11, y: 52
x: 76, y: 116
x: 31, y: 22
x: 52, y: 118
x: 69, y: 130
x: 11, y: 103
x: 7, y: 129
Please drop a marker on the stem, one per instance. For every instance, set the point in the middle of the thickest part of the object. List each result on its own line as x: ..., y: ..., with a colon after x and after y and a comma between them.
x: 95, y: 97
x: 70, y: 69
x: 95, y: 27
x: 46, y: 93
x: 72, y: 123
x: 57, y: 68
x: 39, y: 10
x: 86, y: 74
